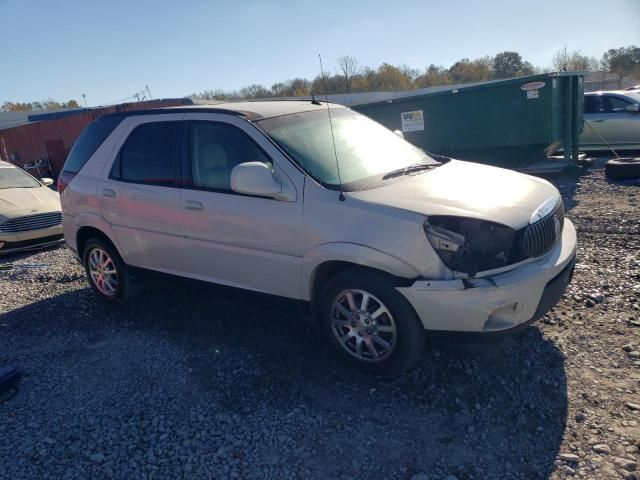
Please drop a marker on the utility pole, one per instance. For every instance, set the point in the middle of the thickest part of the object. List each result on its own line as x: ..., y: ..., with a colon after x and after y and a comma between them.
x: 84, y: 97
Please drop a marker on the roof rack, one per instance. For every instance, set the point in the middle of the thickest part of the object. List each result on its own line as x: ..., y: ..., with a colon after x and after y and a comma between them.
x: 168, y: 110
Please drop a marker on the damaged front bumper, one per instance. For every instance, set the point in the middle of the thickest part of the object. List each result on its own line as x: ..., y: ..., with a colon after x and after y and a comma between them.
x: 497, y: 303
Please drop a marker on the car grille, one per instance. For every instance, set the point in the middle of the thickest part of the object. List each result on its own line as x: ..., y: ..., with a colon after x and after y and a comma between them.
x: 540, y: 237
x: 31, y: 222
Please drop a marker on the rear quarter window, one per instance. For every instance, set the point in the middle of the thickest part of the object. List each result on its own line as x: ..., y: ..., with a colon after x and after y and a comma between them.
x: 88, y: 142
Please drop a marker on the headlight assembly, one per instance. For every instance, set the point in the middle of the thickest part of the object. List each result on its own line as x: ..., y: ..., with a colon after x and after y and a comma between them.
x: 469, y: 245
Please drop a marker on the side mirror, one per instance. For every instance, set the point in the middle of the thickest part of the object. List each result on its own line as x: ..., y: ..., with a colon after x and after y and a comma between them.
x: 254, y: 178
x: 633, y: 108
x: 399, y: 133
x: 46, y: 181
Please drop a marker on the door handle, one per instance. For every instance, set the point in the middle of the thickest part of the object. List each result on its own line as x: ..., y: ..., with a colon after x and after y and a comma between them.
x: 107, y: 192
x: 193, y: 205
x: 600, y: 120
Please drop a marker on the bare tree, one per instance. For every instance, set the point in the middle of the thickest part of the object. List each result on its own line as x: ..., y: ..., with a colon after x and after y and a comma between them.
x: 349, y: 68
x: 565, y: 61
x: 254, y: 91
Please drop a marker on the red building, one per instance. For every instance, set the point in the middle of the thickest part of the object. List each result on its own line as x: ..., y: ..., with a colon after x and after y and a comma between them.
x: 40, y: 141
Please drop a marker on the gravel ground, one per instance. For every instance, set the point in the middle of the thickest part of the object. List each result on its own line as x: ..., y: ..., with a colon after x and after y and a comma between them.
x: 182, y: 383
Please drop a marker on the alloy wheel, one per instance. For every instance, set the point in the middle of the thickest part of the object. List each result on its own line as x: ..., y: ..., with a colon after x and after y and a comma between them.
x: 103, y: 272
x: 363, y: 325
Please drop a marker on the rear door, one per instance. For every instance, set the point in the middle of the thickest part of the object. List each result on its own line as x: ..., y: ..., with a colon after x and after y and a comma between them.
x: 592, y: 106
x: 240, y: 240
x: 140, y: 194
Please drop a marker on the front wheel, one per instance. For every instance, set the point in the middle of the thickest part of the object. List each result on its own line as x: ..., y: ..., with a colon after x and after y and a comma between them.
x: 370, y: 323
x: 106, y: 272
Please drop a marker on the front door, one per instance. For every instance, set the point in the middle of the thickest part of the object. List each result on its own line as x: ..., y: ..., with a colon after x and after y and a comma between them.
x: 613, y: 123
x: 621, y: 128
x: 240, y: 240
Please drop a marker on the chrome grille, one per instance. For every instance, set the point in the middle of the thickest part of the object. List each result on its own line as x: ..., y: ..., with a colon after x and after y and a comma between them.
x: 540, y: 237
x: 31, y: 222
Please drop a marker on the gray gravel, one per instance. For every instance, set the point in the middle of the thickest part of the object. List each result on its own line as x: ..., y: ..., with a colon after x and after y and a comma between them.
x: 182, y: 383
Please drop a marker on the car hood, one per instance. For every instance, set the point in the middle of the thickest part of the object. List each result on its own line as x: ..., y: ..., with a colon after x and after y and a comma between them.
x: 468, y: 190
x: 16, y: 202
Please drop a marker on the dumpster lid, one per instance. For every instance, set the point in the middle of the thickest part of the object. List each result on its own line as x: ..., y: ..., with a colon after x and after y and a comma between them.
x: 373, y: 98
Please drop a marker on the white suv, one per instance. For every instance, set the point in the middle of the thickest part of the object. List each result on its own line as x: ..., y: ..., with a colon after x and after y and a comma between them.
x: 384, y: 242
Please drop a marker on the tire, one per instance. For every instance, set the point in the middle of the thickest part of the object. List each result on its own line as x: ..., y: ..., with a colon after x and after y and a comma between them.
x: 397, y: 326
x: 623, y: 168
x: 100, y: 258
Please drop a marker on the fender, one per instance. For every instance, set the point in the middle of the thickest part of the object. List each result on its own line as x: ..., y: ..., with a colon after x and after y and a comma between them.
x: 99, y: 223
x: 352, y: 253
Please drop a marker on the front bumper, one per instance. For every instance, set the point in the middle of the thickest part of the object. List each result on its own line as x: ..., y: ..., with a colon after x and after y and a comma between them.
x: 498, y: 303
x: 30, y: 239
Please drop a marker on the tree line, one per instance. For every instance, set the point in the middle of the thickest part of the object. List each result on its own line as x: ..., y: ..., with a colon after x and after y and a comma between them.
x: 48, y: 104
x: 351, y: 77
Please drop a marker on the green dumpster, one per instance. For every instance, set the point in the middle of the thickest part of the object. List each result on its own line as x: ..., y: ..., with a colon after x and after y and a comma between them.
x: 511, y: 123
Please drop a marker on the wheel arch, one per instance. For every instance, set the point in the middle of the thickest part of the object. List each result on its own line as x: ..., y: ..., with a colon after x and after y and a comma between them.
x: 326, y: 261
x: 408, y: 337
x: 91, y: 226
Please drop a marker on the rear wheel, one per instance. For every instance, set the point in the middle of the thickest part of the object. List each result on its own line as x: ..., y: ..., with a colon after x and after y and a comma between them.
x: 369, y: 323
x: 106, y: 272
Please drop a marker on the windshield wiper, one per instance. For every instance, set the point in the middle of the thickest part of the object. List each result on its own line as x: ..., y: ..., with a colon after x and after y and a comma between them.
x: 416, y: 167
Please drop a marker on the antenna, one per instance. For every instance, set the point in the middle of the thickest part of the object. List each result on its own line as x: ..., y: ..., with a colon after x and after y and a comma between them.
x: 335, y: 152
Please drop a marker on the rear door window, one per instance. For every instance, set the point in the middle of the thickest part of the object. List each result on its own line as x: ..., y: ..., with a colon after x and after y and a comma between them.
x: 593, y: 104
x: 149, y: 155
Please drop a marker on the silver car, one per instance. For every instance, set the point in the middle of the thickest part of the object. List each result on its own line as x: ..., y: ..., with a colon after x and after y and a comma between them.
x: 612, y: 116
x: 382, y: 242
x: 30, y: 215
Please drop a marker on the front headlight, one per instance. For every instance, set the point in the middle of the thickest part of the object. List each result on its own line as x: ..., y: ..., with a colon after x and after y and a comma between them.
x: 469, y: 245
x: 545, y: 209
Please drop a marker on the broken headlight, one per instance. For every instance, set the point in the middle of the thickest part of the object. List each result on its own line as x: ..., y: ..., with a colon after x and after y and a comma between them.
x: 469, y: 245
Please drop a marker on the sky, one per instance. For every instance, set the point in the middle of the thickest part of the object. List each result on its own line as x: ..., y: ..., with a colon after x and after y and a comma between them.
x: 111, y: 49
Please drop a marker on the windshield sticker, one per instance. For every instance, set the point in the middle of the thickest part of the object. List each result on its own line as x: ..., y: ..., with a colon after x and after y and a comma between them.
x: 412, y: 121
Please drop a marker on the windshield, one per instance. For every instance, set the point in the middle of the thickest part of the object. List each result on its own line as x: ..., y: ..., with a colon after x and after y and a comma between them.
x: 633, y: 96
x: 366, y: 150
x: 12, y: 177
